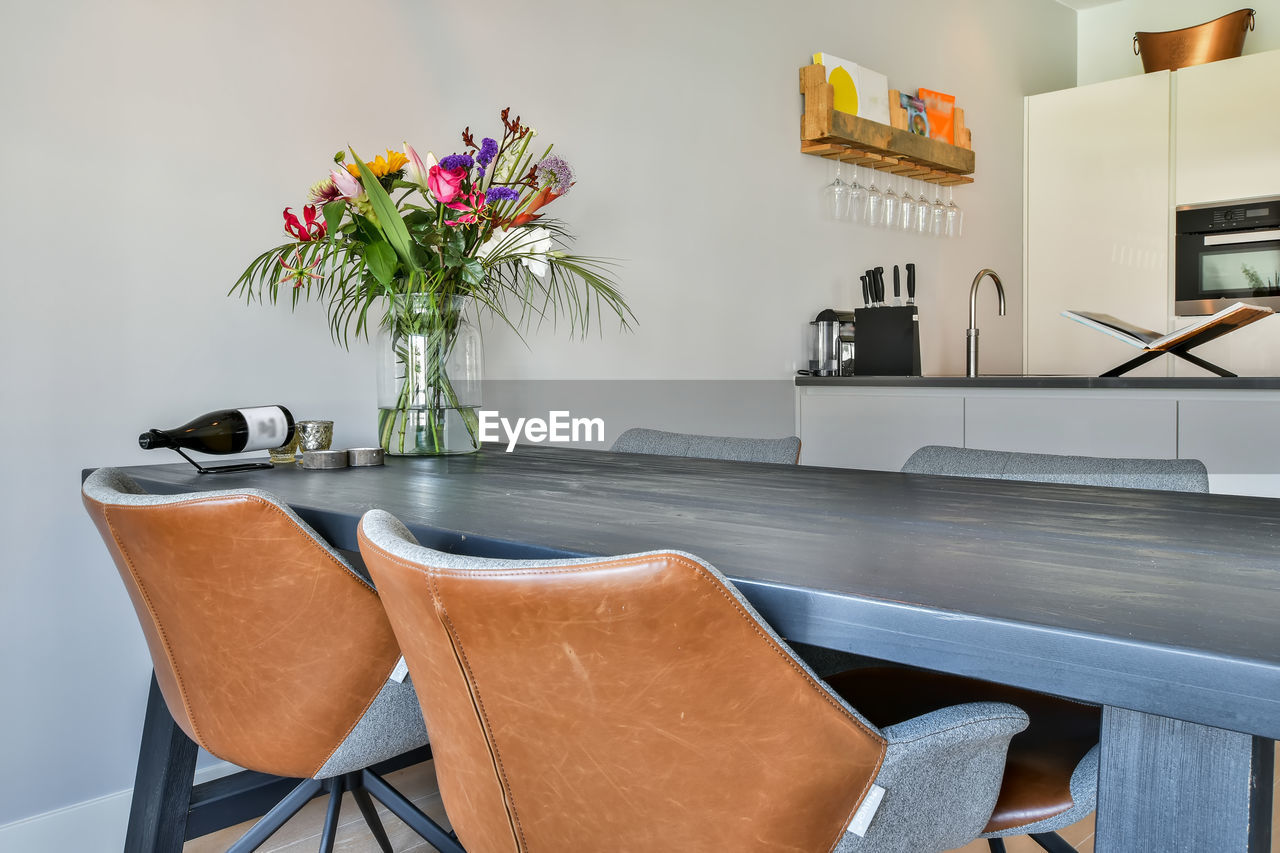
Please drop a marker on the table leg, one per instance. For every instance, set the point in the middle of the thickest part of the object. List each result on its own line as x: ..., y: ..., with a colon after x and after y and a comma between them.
x: 162, y: 785
x: 1170, y: 785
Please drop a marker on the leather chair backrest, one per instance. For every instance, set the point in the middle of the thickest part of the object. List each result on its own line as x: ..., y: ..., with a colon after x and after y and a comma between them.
x: 783, y: 451
x: 1174, y: 475
x: 267, y: 647
x: 634, y: 703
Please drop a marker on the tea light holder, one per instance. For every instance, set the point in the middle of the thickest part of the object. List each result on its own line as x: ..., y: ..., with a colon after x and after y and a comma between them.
x: 323, y: 460
x: 365, y: 457
x: 314, y: 435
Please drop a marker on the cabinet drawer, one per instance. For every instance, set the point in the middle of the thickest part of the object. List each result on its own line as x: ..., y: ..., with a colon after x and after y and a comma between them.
x: 1092, y: 425
x: 875, y: 432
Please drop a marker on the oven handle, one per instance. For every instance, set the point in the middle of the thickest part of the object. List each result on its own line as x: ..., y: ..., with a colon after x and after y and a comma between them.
x: 1242, y: 237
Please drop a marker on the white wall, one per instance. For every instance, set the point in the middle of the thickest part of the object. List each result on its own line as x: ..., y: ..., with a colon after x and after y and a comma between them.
x: 150, y: 146
x: 1105, y: 44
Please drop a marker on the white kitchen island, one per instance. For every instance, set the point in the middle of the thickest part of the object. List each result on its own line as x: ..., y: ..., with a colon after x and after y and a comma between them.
x: 876, y: 422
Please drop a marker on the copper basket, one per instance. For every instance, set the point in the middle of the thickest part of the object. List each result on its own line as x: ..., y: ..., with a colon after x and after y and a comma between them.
x: 1222, y: 38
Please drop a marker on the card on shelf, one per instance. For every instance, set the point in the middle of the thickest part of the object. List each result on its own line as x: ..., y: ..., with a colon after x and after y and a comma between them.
x: 859, y: 91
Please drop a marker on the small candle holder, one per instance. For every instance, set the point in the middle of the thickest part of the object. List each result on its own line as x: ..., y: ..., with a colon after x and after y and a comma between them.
x: 287, y: 454
x: 314, y: 435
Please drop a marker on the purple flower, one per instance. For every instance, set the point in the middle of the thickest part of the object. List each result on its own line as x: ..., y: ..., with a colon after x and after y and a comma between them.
x: 502, y: 194
x: 457, y: 161
x: 554, y: 172
x: 488, y: 150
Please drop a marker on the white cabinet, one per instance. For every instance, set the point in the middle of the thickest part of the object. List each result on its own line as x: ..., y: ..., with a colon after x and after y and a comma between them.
x: 1086, y: 423
x: 848, y: 428
x: 1098, y: 213
x: 1227, y: 129
x: 1229, y: 435
x: 878, y: 427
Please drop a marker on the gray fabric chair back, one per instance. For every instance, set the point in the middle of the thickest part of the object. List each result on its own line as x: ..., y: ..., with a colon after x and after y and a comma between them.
x: 784, y: 451
x: 1171, y: 475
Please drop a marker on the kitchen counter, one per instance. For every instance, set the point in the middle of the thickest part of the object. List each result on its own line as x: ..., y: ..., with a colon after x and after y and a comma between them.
x: 876, y: 422
x: 1174, y: 383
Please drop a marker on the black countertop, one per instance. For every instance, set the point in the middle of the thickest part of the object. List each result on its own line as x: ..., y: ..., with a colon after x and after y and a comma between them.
x: 1174, y: 383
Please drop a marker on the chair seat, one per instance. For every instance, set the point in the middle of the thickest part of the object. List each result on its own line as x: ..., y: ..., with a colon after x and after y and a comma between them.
x: 1037, y: 780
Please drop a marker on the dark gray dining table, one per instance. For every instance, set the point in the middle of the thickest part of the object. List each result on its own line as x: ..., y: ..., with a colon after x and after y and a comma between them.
x: 1161, y: 607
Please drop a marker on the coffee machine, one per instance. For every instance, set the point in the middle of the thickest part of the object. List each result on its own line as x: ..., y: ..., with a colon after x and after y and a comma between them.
x: 831, y: 343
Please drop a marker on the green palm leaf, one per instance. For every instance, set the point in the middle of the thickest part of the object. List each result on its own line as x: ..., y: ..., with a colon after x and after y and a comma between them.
x: 389, y: 221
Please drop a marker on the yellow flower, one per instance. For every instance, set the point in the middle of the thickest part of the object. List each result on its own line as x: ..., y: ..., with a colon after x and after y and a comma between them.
x: 380, y: 166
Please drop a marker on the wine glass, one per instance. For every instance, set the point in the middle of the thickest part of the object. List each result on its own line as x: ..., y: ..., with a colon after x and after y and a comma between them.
x: 924, y: 215
x: 889, y: 206
x: 836, y: 197
x: 907, y: 208
x: 938, y: 212
x: 955, y: 216
x: 857, y: 199
x: 875, y: 203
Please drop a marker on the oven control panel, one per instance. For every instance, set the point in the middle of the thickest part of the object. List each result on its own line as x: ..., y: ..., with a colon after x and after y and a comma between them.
x: 1234, y: 216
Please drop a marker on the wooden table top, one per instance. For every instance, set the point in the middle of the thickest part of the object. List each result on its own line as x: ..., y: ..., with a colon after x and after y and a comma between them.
x: 1161, y: 602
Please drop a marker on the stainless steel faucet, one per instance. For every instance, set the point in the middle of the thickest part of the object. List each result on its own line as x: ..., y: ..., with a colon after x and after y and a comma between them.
x: 971, y: 336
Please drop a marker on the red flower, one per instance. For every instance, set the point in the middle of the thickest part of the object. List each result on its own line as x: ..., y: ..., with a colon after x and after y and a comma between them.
x: 299, y: 273
x: 313, y: 228
x: 473, y: 202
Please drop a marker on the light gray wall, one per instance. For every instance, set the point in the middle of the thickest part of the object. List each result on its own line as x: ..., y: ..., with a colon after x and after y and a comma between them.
x: 150, y: 146
x: 1105, y: 45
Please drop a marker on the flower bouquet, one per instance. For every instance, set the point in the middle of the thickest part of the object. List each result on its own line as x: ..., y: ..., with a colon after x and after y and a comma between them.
x: 426, y: 241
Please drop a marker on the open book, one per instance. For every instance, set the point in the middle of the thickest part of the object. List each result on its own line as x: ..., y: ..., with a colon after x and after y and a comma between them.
x: 1206, y: 329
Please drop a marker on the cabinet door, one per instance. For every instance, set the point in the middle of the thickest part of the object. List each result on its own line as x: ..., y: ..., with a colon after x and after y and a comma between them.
x: 1226, y: 129
x: 1231, y: 438
x: 1098, y: 217
x: 874, y: 431
x: 1093, y: 423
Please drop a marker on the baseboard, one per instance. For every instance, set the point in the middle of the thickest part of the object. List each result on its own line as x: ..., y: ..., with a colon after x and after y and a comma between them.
x: 93, y: 826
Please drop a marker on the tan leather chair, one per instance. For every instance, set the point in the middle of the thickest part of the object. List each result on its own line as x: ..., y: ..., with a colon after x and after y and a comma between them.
x: 638, y: 703
x: 270, y: 650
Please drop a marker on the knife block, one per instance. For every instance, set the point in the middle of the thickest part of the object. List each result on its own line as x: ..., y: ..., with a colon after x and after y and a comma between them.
x: 887, y: 341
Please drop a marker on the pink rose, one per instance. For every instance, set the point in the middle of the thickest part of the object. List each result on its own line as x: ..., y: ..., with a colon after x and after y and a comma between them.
x: 445, y: 186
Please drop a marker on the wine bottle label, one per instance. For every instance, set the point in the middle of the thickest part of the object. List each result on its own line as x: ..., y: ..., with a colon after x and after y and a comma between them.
x: 267, y: 427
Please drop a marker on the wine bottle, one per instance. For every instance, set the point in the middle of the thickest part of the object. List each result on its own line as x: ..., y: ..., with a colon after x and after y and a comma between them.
x: 226, y: 431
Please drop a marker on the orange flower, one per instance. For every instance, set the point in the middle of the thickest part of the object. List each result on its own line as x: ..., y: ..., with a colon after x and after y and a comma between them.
x: 380, y: 166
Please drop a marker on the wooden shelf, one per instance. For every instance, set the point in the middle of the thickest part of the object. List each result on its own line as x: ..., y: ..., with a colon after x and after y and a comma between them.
x: 827, y: 132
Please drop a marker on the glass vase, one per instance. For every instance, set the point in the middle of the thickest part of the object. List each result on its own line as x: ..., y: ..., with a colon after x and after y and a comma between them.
x: 429, y: 374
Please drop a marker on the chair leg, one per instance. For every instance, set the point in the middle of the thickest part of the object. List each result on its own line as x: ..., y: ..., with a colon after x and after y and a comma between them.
x: 371, y: 818
x: 276, y: 818
x: 996, y: 845
x: 329, y: 835
x: 1052, y: 841
x: 445, y: 842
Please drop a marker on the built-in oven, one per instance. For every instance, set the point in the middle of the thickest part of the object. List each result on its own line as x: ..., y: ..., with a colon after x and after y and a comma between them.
x: 1227, y: 253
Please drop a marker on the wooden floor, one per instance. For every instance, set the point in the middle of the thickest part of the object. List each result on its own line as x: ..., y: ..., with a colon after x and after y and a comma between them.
x: 302, y: 834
